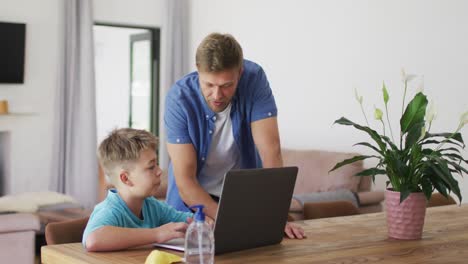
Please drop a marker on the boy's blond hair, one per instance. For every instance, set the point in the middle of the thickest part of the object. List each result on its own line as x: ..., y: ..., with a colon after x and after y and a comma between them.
x: 122, y: 147
x: 218, y: 52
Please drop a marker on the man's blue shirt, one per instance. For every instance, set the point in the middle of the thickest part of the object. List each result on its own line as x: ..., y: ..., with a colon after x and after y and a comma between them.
x: 188, y: 119
x: 113, y: 211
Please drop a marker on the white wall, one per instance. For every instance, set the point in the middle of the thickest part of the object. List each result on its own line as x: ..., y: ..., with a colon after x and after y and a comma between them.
x: 315, y: 52
x: 31, y: 135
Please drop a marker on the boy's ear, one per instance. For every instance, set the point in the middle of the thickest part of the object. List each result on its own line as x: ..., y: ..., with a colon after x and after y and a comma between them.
x: 123, y: 176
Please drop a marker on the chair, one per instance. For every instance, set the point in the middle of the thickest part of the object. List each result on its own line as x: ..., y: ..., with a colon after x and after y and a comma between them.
x: 70, y: 231
x: 438, y: 199
x: 329, y: 209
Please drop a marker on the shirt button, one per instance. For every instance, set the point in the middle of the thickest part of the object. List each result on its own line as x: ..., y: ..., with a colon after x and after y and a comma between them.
x: 269, y: 113
x: 203, y: 158
x: 178, y: 140
x: 207, y: 117
x: 211, y: 131
x: 214, y: 118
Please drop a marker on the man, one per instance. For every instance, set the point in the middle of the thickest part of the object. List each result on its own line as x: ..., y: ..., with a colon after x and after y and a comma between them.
x: 219, y: 118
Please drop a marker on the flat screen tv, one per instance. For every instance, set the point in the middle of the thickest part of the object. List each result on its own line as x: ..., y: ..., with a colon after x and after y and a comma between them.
x: 12, y: 44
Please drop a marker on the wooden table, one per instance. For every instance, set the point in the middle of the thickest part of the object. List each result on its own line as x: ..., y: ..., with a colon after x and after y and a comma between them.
x: 351, y: 239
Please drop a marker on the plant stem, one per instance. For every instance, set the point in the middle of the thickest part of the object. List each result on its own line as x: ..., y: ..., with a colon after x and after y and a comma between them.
x: 402, y: 112
x: 364, y: 113
x: 383, y: 125
x: 389, y: 125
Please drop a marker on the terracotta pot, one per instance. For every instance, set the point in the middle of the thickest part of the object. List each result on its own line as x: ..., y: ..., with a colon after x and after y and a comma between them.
x: 405, y: 220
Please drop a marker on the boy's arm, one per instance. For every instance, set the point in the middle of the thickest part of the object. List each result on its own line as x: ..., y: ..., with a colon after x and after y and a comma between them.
x: 109, y: 238
x: 184, y: 161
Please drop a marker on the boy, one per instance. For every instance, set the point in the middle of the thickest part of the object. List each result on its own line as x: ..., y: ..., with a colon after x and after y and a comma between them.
x: 130, y: 216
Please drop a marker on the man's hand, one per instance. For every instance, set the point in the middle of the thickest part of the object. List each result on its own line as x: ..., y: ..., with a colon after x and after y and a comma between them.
x: 294, y: 231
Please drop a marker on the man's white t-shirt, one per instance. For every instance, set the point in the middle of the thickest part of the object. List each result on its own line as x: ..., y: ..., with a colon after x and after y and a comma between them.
x: 223, y: 154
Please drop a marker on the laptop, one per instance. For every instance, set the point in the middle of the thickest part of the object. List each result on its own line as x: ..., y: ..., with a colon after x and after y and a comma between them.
x: 252, y: 211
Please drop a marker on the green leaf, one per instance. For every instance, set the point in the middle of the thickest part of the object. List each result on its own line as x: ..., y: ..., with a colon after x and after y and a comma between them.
x: 457, y: 166
x: 450, y: 138
x: 457, y: 136
x: 426, y: 187
x: 442, y: 170
x: 351, y: 160
x: 448, y: 149
x: 455, y: 157
x: 374, y: 135
x: 413, y: 134
x: 404, y: 193
x: 414, y: 113
x: 371, y: 172
x: 385, y: 93
x: 370, y: 146
x: 438, y: 185
x: 390, y: 142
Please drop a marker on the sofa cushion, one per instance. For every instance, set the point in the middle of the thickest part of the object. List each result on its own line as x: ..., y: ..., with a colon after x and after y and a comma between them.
x: 317, y: 197
x: 313, y: 173
x: 31, y: 202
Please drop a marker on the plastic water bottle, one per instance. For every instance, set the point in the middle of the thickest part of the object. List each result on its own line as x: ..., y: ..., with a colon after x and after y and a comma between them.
x: 199, y: 240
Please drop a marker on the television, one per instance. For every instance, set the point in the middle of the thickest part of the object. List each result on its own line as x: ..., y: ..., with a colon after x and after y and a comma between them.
x: 12, y: 46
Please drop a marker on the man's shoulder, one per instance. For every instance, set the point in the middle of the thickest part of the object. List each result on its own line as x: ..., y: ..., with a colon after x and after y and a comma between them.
x: 251, y: 67
x: 185, y: 87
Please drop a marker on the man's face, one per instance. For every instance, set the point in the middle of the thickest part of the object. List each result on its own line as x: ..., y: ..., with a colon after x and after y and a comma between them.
x: 218, y: 88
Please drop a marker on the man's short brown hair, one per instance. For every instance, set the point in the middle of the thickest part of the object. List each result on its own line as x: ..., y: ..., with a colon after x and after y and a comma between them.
x: 218, y: 52
x: 122, y: 147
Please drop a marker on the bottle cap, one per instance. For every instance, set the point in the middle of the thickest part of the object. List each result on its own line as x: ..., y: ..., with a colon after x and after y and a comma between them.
x: 199, y: 215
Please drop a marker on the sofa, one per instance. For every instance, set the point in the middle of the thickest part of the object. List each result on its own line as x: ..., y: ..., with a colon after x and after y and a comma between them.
x: 17, y: 237
x: 314, y: 177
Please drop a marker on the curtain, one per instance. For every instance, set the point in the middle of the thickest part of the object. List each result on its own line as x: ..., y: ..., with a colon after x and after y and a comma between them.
x: 175, y: 64
x: 74, y: 156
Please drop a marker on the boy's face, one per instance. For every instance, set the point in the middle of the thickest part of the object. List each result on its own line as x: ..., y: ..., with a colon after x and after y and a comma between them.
x: 145, y: 175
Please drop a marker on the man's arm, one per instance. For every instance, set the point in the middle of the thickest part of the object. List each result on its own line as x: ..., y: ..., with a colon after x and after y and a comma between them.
x: 266, y: 137
x: 184, y: 161
x: 109, y: 238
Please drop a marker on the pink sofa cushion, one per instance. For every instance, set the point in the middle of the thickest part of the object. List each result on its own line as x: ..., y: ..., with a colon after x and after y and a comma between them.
x: 313, y: 171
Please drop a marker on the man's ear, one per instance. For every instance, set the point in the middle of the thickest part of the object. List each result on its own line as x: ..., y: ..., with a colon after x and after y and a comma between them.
x: 124, y: 178
x: 241, y: 70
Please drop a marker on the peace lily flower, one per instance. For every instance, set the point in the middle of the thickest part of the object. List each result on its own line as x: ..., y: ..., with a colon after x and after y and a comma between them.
x: 359, y: 99
x: 431, y: 113
x: 406, y: 77
x: 378, y: 114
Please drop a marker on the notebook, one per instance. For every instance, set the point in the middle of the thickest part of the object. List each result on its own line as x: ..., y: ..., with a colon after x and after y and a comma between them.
x: 252, y: 211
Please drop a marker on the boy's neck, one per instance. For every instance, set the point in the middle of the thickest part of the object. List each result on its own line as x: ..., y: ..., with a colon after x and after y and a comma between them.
x: 134, y: 204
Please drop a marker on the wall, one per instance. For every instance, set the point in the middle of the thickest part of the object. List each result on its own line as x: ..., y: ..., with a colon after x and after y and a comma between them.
x: 30, y: 135
x: 316, y: 52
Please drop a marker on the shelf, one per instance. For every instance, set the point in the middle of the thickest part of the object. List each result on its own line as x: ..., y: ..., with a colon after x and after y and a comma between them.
x: 17, y: 114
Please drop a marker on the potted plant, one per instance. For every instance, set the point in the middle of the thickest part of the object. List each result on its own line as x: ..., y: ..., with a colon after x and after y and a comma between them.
x: 416, y: 165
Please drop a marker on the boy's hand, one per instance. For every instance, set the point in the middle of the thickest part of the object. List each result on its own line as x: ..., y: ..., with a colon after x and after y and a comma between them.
x: 170, y: 231
x: 294, y: 231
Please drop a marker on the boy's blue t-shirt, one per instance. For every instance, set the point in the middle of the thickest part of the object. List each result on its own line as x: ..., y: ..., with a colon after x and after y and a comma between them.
x: 113, y: 211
